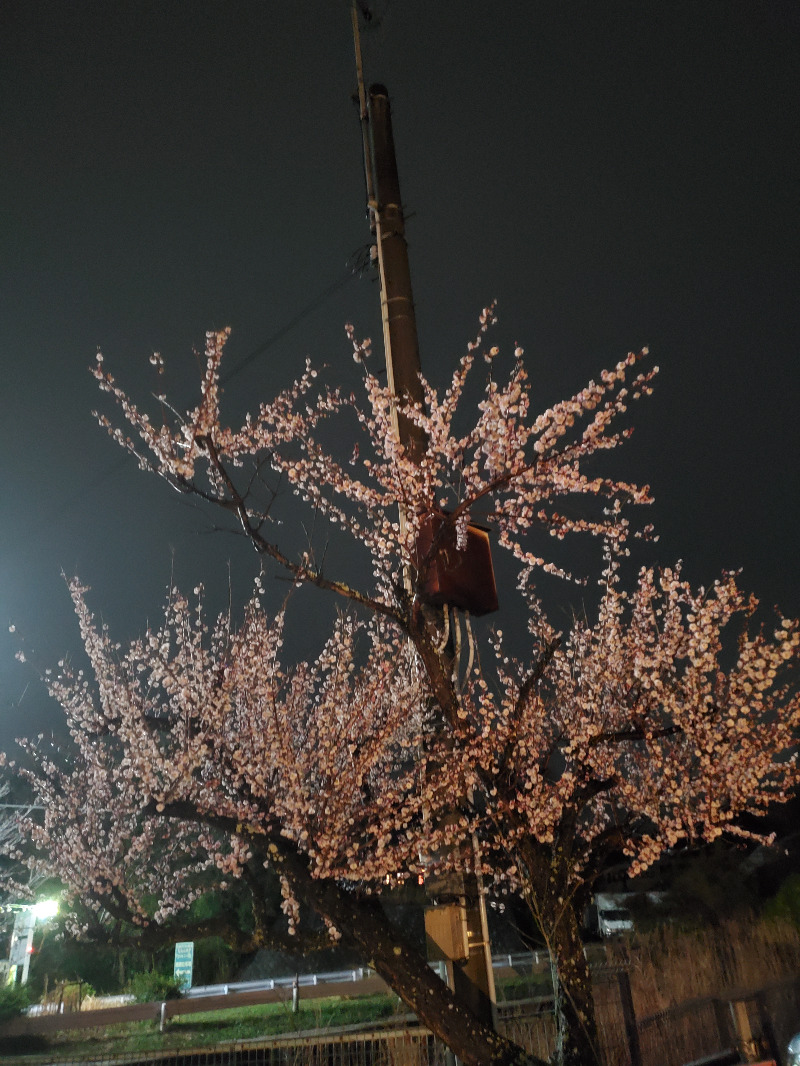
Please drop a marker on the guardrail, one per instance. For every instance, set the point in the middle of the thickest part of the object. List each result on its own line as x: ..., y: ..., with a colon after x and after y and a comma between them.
x: 339, y: 977
x: 142, y: 1012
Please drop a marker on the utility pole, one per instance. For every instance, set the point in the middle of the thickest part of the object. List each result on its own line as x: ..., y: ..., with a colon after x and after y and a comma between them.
x: 456, y: 923
x: 400, y: 341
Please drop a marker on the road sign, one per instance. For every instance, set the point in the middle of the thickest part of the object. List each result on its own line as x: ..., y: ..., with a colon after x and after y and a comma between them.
x: 184, y: 962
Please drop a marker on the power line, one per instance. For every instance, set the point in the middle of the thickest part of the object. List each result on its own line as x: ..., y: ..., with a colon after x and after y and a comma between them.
x: 290, y: 325
x: 78, y: 497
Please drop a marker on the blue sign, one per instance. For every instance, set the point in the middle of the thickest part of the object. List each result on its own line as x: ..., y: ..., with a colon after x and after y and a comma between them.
x: 184, y: 962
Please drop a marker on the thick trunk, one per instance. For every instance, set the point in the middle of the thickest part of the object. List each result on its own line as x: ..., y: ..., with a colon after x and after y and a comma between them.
x: 364, y: 926
x: 574, y: 999
x: 554, y: 895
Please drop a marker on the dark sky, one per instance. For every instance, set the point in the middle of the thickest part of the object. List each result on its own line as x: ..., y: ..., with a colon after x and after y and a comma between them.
x: 617, y: 174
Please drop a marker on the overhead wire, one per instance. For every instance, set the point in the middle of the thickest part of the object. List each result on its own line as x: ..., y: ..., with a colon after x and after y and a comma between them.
x: 303, y: 313
x: 357, y: 265
x: 78, y: 497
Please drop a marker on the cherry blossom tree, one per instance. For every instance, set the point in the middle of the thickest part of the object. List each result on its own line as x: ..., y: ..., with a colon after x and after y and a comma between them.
x: 198, y: 758
x: 661, y: 723
x: 200, y: 753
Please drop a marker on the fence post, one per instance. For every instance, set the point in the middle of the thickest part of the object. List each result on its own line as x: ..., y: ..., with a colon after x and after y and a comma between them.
x: 754, y: 1044
x: 629, y: 1017
x: 769, y: 1045
x: 726, y: 1034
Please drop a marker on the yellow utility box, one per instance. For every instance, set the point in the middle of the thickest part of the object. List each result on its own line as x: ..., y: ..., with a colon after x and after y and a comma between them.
x: 446, y: 929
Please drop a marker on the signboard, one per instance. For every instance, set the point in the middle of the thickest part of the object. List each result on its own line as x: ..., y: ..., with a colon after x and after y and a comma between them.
x: 22, y: 937
x: 184, y: 961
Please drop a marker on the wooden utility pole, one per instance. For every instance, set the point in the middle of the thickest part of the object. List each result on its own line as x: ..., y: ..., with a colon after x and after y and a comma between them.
x: 402, y: 344
x: 388, y: 226
x: 459, y: 926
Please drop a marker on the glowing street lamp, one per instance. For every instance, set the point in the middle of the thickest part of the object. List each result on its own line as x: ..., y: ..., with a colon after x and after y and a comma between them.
x: 27, y: 915
x: 44, y: 909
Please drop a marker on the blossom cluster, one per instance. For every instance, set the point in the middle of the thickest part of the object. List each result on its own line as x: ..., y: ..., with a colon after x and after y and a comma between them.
x: 196, y: 748
x: 513, y: 466
x: 645, y: 725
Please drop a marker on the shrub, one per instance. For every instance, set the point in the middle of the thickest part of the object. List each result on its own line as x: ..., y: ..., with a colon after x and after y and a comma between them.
x: 785, y: 904
x: 13, y: 1001
x: 154, y: 987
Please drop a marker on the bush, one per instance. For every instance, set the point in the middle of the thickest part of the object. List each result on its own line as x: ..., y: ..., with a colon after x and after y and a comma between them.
x: 785, y: 904
x: 154, y: 987
x: 13, y: 1001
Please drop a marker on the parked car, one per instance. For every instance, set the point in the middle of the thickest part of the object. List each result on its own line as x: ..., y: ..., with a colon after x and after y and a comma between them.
x: 612, y: 913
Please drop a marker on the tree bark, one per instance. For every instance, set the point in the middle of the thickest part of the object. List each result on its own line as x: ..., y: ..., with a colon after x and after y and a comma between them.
x: 574, y: 996
x: 364, y: 927
x: 554, y: 895
x: 554, y: 902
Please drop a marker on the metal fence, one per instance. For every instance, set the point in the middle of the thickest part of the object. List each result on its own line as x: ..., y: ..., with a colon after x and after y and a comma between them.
x: 755, y: 1024
x: 407, y: 1047
x: 674, y: 1037
x: 685, y: 1033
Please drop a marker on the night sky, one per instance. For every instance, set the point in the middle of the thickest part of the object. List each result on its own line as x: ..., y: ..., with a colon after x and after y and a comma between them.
x: 616, y: 174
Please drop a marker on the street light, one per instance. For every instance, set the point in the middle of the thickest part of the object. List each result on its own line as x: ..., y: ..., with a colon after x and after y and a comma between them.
x: 44, y: 909
x: 27, y: 915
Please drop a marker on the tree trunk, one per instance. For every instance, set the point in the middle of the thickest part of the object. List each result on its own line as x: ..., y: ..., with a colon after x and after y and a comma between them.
x: 554, y: 898
x: 364, y: 926
x: 574, y: 998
